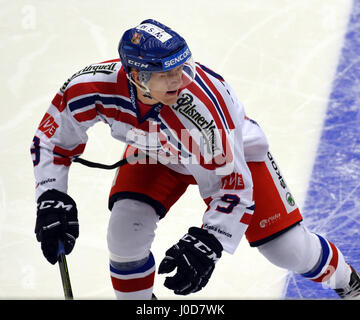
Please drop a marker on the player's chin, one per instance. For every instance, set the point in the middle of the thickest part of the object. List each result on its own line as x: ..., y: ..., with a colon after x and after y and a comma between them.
x: 170, y: 97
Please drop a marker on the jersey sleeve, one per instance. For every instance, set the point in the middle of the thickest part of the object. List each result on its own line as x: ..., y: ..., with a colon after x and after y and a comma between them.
x: 61, y: 135
x: 227, y: 191
x: 227, y: 187
x: 58, y: 139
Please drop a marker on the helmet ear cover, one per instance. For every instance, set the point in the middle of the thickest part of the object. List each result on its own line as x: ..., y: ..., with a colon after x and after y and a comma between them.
x: 144, y: 76
x: 135, y: 76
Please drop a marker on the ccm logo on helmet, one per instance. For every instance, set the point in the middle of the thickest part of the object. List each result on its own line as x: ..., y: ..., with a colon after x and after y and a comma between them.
x: 177, y: 59
x: 137, y: 64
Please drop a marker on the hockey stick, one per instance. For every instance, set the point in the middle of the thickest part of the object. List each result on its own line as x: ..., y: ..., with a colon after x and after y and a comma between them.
x: 130, y: 159
x: 100, y: 165
x: 64, y: 272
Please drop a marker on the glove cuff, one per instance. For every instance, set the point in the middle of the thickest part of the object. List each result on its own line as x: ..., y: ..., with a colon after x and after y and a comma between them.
x: 208, y: 238
x: 57, y: 201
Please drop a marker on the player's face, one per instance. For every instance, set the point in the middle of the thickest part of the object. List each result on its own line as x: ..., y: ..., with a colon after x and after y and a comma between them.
x: 165, y: 86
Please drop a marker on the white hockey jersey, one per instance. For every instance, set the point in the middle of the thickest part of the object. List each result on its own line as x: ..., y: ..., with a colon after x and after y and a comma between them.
x: 205, y: 134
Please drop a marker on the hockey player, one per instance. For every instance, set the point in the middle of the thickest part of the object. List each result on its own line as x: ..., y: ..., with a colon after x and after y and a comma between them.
x: 182, y: 124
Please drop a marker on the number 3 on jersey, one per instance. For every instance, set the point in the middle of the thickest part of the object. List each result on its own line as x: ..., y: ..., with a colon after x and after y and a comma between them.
x: 232, y: 200
x: 36, y: 151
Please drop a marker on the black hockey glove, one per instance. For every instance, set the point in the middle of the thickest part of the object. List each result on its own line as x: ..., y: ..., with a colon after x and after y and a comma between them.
x: 56, y: 221
x: 194, y: 256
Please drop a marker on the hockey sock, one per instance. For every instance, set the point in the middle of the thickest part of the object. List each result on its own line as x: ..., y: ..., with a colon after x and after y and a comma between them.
x: 331, y: 270
x: 133, y: 280
x: 310, y: 255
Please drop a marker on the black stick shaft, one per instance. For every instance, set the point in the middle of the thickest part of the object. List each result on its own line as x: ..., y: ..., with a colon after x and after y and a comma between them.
x: 65, y: 277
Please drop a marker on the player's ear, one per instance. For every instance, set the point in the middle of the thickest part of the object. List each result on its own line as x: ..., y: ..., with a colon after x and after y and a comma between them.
x: 135, y: 75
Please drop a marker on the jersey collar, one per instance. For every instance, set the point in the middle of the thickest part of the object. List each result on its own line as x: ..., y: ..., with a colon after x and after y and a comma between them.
x: 152, y: 113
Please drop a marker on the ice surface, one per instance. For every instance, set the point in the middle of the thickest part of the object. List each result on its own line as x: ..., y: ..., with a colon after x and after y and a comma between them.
x: 279, y: 55
x: 332, y: 206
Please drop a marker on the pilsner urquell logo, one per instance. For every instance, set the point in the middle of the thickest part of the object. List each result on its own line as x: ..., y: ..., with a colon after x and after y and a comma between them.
x: 185, y: 106
x: 108, y: 68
